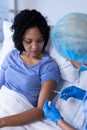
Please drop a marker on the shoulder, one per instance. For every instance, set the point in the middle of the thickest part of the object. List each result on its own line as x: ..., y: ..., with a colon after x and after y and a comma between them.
x: 49, y: 69
x: 10, y: 57
x: 47, y: 59
x: 13, y: 53
x: 48, y: 62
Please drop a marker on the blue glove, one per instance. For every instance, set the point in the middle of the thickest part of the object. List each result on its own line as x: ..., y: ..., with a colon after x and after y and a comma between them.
x: 51, y: 112
x: 72, y: 91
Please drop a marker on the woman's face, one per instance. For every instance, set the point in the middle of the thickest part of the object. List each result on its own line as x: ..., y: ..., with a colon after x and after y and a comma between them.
x: 33, y: 42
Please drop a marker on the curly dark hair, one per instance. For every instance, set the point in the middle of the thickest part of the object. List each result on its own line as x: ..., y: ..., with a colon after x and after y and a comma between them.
x: 27, y: 19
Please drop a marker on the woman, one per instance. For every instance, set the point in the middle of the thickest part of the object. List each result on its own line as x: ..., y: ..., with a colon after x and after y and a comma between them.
x: 28, y: 72
x: 69, y: 38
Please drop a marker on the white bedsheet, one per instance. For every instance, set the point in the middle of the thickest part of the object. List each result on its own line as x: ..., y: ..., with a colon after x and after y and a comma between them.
x: 7, y: 107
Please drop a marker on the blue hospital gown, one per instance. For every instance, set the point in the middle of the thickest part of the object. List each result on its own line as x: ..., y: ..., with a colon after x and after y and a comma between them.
x: 27, y: 80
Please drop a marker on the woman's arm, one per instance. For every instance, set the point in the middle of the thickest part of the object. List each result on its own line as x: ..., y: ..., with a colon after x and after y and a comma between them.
x: 33, y: 114
x: 22, y: 118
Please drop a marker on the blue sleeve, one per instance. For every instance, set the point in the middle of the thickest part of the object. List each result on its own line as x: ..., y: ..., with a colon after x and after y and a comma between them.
x: 50, y: 71
x: 2, y: 71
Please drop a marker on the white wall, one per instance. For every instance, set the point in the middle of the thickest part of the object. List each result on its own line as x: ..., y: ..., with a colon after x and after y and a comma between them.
x: 54, y: 9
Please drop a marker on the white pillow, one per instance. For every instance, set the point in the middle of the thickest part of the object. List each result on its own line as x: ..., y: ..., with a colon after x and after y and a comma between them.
x: 8, y: 44
x: 68, y: 72
x: 6, y: 29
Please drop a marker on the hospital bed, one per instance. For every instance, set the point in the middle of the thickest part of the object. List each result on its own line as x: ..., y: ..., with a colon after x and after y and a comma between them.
x: 71, y: 110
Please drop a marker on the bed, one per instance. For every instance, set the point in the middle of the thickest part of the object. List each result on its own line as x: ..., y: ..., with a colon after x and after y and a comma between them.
x: 72, y: 109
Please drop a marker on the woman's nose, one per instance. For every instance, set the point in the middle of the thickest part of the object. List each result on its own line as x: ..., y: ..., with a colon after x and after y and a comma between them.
x: 34, y: 45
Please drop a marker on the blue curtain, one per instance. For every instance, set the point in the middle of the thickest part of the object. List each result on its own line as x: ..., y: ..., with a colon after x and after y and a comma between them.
x: 4, y: 15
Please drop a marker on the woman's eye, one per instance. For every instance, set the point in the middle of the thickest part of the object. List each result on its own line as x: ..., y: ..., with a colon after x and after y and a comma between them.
x: 41, y: 40
x: 27, y: 42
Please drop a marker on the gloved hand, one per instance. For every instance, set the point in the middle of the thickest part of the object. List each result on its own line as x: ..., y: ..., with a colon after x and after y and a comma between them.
x: 51, y: 112
x: 72, y: 91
